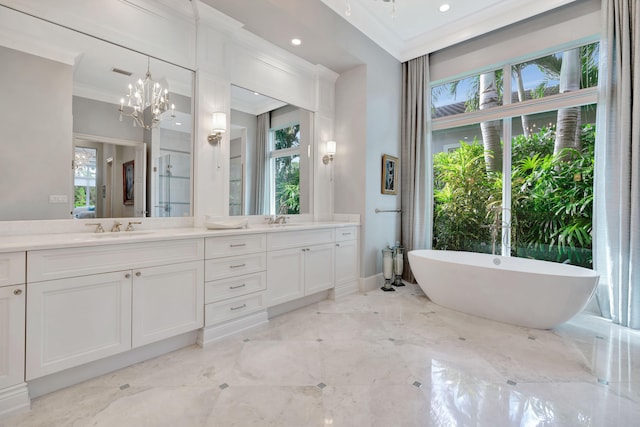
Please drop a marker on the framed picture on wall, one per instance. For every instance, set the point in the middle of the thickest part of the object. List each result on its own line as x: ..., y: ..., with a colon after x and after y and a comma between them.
x: 389, y: 174
x: 127, y: 182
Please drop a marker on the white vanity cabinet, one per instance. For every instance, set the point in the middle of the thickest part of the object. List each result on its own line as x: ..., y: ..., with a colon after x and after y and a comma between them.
x: 347, y: 265
x: 167, y: 301
x: 299, y: 263
x: 12, y: 325
x: 77, y: 320
x: 235, y: 277
x: 87, y: 303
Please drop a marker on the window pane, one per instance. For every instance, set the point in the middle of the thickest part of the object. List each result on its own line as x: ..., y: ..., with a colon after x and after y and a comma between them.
x: 286, y: 137
x: 470, y: 94
x: 541, y: 77
x: 287, y: 182
x: 466, y: 190
x: 552, y: 195
x: 84, y: 182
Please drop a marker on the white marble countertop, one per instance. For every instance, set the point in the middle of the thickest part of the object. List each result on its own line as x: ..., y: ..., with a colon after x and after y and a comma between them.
x: 30, y: 242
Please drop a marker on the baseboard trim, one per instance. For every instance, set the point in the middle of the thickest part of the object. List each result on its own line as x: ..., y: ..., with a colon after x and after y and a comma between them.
x: 56, y: 381
x: 14, y: 399
x: 371, y: 283
x: 286, y: 307
x: 211, y: 334
x: 345, y: 289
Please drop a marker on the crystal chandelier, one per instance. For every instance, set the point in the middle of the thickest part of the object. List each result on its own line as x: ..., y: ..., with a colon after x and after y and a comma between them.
x: 146, y: 94
x: 83, y: 157
x: 347, y: 11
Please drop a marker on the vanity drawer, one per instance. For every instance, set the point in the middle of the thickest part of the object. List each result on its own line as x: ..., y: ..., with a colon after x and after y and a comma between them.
x: 12, y: 268
x: 220, y: 290
x: 222, y: 268
x: 294, y: 239
x: 73, y: 262
x: 216, y: 247
x: 346, y: 233
x: 233, y: 308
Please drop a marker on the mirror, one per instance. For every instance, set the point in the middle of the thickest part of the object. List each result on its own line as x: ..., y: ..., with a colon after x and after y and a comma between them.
x: 68, y: 149
x: 270, y: 156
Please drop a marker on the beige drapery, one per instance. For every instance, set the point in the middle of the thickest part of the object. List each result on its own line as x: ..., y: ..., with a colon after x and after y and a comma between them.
x: 617, y: 188
x: 415, y: 158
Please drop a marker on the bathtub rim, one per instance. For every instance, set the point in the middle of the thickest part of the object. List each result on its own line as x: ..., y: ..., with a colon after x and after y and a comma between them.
x: 566, y: 268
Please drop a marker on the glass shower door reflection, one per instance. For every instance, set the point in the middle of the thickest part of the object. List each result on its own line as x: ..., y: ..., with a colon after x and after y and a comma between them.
x: 174, y: 182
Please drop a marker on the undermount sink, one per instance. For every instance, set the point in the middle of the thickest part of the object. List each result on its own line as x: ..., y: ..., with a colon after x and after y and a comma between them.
x: 121, y: 234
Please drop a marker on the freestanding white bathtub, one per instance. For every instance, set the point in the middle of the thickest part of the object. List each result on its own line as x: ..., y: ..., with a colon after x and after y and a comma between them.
x: 519, y: 291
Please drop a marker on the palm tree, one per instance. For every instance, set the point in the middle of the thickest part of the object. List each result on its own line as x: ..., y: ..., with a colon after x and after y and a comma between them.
x: 522, y: 95
x: 490, y: 129
x: 569, y: 117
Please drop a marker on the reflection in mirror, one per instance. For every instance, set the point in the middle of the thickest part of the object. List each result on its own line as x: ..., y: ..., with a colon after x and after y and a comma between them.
x: 269, y: 156
x: 72, y: 88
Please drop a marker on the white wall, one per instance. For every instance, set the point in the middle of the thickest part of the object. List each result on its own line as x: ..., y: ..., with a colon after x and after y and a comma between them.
x: 250, y: 123
x: 368, y: 126
x: 350, y: 163
x: 99, y: 118
x: 551, y: 30
x: 39, y: 97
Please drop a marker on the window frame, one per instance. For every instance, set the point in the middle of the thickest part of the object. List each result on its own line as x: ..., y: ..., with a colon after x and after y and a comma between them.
x: 274, y: 154
x: 506, y: 113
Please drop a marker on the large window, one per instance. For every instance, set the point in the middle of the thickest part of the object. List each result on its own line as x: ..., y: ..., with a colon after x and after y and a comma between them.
x: 542, y: 208
x: 84, y: 182
x: 478, y: 92
x: 285, y: 169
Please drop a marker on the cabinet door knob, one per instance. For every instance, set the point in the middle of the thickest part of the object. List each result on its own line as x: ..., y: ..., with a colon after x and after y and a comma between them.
x: 127, y: 276
x: 17, y: 292
x: 138, y: 274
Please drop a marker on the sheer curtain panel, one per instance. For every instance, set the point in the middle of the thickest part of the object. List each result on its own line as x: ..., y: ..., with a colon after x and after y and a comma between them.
x: 617, y: 192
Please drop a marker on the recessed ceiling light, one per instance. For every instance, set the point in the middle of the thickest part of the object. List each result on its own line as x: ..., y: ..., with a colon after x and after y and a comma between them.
x: 444, y: 7
x: 256, y: 93
x: 296, y: 42
x: 178, y: 124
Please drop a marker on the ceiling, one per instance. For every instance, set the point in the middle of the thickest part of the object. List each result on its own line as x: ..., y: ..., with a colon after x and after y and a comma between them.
x: 418, y: 27
x: 251, y: 102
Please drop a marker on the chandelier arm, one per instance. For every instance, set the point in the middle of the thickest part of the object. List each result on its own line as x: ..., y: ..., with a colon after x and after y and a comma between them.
x: 146, y: 94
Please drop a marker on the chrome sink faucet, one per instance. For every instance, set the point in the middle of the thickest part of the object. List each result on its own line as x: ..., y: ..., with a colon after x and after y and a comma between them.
x: 280, y: 220
x: 130, y: 225
x: 98, y: 226
x: 273, y: 219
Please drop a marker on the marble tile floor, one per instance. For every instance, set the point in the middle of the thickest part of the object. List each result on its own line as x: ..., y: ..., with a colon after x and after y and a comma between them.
x: 374, y: 359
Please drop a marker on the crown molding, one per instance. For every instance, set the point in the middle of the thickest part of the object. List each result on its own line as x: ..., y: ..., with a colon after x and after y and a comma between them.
x: 492, y: 18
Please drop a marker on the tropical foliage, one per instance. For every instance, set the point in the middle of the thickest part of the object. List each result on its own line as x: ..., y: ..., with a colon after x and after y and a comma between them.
x: 287, y: 170
x: 80, y: 196
x: 552, y: 199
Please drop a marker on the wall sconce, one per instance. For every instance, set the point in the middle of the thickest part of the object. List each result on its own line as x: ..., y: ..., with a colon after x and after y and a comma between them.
x: 219, y: 126
x: 331, y: 151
